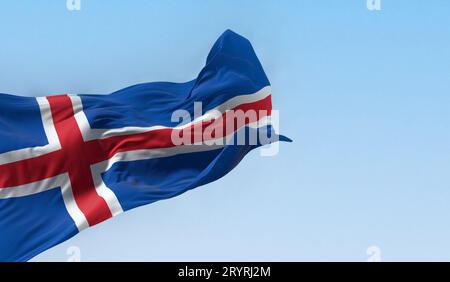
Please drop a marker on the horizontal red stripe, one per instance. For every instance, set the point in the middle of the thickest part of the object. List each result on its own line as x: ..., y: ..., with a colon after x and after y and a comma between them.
x: 32, y: 170
x: 104, y: 149
x: 52, y: 164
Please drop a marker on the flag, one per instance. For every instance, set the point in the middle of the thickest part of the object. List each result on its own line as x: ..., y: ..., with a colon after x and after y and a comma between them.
x: 68, y: 162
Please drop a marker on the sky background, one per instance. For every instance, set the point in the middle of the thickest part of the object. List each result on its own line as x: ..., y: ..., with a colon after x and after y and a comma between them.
x: 365, y: 95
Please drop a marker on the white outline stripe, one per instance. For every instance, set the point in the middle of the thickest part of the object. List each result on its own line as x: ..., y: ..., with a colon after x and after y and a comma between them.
x: 71, y: 205
x: 30, y: 188
x: 95, y: 133
x: 62, y: 181
x: 107, y: 194
x: 128, y: 156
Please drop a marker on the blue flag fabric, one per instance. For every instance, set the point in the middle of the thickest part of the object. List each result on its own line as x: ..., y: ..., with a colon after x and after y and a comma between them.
x: 68, y: 162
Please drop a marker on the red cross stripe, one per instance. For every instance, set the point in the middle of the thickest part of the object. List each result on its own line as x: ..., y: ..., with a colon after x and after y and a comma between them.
x: 76, y: 156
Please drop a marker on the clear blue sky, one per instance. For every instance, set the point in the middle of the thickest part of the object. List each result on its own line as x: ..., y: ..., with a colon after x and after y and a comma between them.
x: 364, y: 94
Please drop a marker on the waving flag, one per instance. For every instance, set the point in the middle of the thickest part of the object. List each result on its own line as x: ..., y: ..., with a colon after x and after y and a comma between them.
x: 68, y: 162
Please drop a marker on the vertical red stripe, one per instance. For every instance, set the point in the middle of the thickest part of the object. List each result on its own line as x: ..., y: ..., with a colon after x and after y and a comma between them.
x: 76, y: 159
